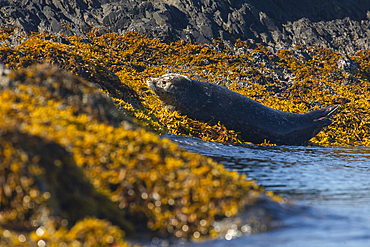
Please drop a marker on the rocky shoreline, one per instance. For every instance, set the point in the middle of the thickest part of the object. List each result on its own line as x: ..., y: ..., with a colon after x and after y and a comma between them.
x: 343, y: 26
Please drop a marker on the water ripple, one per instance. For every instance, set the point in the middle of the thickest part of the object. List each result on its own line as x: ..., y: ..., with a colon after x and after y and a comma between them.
x: 334, y: 182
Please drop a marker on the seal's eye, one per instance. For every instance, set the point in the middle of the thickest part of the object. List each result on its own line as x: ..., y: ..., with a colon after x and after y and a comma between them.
x: 163, y: 83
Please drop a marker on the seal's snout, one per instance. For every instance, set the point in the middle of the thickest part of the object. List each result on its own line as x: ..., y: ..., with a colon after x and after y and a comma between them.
x: 151, y: 84
x: 149, y: 81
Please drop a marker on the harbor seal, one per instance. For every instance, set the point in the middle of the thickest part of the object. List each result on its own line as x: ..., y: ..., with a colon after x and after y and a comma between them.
x: 252, y: 121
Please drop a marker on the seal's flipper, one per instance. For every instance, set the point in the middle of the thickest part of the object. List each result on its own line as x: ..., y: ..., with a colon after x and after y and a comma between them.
x: 320, y: 123
x: 321, y: 117
x: 324, y: 112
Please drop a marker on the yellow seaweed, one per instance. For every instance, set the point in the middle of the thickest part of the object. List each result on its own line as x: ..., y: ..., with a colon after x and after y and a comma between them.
x: 135, y: 58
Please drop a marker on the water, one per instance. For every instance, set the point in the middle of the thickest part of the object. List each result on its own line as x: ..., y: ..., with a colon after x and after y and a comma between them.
x: 332, y: 184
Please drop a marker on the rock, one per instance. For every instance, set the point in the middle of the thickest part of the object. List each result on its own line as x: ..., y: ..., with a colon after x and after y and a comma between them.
x: 346, y: 65
x: 339, y: 25
x: 4, y: 79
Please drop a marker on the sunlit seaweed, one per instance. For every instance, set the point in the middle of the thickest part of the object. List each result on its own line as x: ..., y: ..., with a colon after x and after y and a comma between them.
x: 318, y: 80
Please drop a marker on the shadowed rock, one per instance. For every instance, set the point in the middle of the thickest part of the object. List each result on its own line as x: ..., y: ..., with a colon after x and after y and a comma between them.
x: 338, y: 24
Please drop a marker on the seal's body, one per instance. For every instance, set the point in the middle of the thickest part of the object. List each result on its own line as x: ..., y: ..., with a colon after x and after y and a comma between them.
x: 252, y: 121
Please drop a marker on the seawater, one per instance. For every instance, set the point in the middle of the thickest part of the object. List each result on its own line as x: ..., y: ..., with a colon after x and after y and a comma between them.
x: 330, y: 185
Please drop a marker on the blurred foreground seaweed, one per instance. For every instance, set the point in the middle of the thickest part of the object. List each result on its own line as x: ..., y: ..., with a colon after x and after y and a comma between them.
x: 68, y: 154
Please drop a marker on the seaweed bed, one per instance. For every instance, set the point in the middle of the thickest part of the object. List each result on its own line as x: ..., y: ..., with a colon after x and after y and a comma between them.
x: 82, y: 160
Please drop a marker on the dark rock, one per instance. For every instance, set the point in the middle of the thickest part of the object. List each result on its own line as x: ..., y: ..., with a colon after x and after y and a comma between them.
x: 336, y: 24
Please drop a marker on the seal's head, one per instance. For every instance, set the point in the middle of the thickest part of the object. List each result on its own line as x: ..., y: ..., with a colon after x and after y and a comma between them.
x: 168, y: 88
